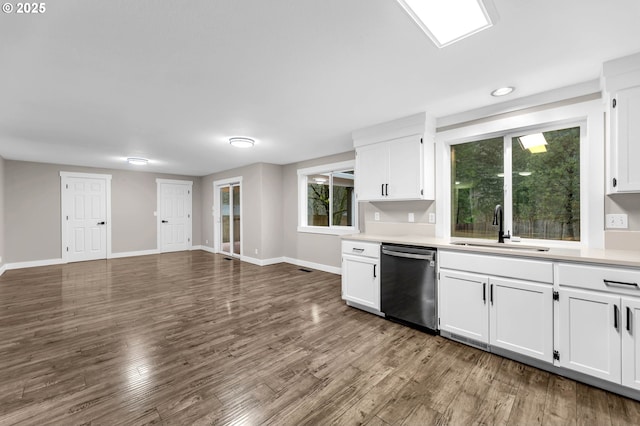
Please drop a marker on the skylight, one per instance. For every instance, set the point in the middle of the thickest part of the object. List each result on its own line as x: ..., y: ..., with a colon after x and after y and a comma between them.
x: 448, y: 21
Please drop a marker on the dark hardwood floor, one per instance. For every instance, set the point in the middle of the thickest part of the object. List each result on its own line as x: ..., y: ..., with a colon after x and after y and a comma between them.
x: 192, y: 338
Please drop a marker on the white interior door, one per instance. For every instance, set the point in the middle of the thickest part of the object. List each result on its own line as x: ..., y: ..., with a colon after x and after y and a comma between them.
x: 174, y: 215
x: 84, y: 216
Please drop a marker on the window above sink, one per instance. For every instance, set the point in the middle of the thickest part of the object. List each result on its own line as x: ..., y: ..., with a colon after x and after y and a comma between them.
x: 534, y: 175
x: 520, y: 186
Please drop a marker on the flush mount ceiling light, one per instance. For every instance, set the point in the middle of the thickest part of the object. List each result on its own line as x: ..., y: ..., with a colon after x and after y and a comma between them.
x: 136, y: 161
x: 524, y: 173
x: 502, y: 91
x: 320, y: 180
x: 242, y: 142
x: 535, y: 143
x: 446, y: 22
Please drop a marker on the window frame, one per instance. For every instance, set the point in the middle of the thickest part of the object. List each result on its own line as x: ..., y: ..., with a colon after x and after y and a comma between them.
x: 588, y: 114
x: 507, y: 150
x: 330, y: 169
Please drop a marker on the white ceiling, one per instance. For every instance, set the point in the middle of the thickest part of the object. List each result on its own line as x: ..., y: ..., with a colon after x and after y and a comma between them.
x: 91, y: 82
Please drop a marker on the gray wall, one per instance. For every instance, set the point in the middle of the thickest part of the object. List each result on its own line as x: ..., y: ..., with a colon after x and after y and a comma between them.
x: 317, y: 248
x: 272, y: 223
x: 261, y: 209
x: 32, y: 200
x: 2, y: 226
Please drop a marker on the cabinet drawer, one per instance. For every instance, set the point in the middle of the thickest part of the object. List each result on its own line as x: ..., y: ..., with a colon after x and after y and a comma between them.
x: 593, y: 277
x: 500, y: 266
x: 361, y: 248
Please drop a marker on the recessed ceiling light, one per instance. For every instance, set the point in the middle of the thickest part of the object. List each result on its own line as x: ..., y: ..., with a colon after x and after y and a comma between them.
x: 136, y: 161
x: 502, y: 91
x: 446, y: 22
x: 242, y: 142
x: 524, y: 173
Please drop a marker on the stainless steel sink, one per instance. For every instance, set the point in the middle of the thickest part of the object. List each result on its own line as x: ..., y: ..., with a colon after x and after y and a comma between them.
x: 507, y: 246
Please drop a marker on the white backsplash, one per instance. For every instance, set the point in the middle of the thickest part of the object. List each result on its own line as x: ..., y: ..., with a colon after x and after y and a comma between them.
x: 400, y: 229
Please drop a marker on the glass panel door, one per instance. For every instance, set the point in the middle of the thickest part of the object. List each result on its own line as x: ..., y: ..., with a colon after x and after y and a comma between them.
x: 225, y: 222
x: 230, y: 220
x: 235, y: 197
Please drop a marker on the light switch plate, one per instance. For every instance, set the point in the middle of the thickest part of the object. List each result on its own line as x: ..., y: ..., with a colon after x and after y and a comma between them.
x: 619, y: 221
x: 376, y: 216
x: 432, y: 218
x: 412, y: 217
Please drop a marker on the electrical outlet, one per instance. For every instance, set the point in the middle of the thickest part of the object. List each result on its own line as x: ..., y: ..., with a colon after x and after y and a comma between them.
x: 376, y: 216
x: 432, y: 218
x: 206, y: 241
x: 620, y: 221
x: 256, y: 251
x: 412, y: 217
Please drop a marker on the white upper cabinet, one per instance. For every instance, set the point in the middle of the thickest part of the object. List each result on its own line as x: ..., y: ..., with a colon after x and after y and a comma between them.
x: 622, y: 86
x: 372, y: 171
x: 395, y: 160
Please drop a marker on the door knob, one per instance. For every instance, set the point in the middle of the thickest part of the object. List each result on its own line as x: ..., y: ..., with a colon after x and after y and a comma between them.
x: 101, y: 223
x: 165, y: 221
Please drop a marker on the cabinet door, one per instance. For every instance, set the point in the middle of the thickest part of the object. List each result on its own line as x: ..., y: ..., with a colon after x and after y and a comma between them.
x: 463, y: 305
x: 630, y: 324
x: 405, y: 168
x: 589, y: 339
x: 521, y: 317
x: 361, y: 281
x: 625, y: 128
x: 372, y: 164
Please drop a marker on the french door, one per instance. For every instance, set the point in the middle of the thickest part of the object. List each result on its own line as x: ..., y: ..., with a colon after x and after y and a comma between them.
x: 229, y: 219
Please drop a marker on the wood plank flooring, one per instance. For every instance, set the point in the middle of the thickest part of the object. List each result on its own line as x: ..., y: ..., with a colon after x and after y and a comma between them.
x: 192, y: 338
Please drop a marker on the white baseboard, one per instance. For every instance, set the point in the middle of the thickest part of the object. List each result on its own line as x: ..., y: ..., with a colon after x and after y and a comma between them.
x: 262, y: 262
x: 205, y: 248
x: 252, y: 260
x: 33, y: 264
x: 313, y: 265
x: 133, y: 253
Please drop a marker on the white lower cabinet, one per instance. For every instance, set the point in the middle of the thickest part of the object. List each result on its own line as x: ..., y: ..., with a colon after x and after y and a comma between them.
x: 521, y: 317
x: 631, y: 342
x: 589, y: 333
x: 511, y: 314
x: 599, y: 322
x: 599, y: 335
x: 361, y: 273
x: 463, y: 305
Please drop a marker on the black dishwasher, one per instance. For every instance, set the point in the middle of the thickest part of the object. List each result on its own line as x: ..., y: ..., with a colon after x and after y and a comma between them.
x: 408, y: 284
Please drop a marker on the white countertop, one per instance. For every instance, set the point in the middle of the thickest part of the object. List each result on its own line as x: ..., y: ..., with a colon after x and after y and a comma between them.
x: 602, y: 256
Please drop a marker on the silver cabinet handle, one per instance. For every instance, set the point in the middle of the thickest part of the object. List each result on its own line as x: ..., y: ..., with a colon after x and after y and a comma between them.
x: 358, y: 250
